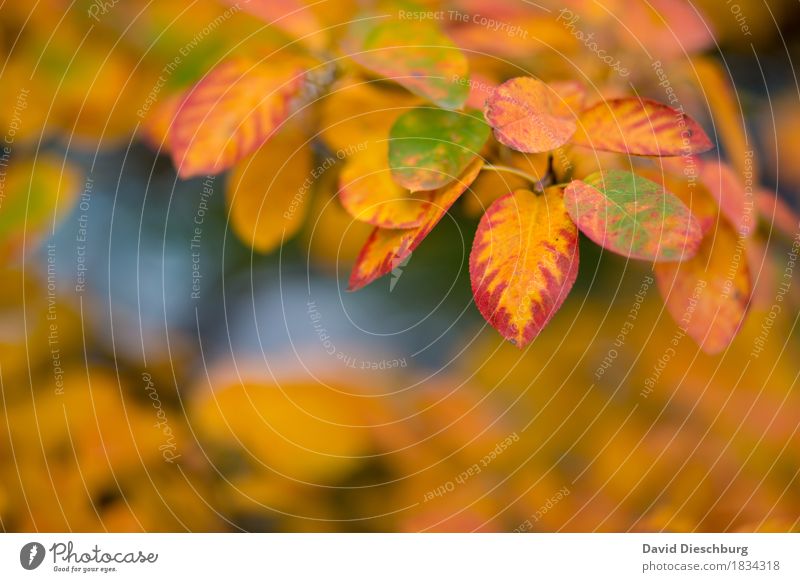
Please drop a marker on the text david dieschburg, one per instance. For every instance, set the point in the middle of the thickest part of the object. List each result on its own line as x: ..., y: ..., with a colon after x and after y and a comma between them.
x: 694, y: 549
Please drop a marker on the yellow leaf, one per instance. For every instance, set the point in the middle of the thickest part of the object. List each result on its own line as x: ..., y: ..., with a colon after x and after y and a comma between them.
x: 369, y: 193
x: 267, y: 193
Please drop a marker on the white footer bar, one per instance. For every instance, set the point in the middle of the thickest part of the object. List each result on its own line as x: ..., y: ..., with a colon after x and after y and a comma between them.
x: 401, y: 557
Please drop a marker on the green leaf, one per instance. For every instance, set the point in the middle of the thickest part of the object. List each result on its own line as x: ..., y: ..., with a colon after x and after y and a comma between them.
x: 431, y: 147
x: 632, y: 216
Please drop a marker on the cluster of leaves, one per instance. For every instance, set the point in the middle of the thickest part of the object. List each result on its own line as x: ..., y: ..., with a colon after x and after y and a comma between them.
x: 417, y: 153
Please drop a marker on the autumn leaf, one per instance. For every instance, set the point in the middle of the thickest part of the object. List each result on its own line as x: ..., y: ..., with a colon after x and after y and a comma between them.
x: 640, y: 127
x: 267, y: 193
x: 415, y: 54
x: 369, y: 193
x: 731, y: 195
x: 632, y: 216
x: 385, y: 249
x: 531, y: 117
x: 708, y: 295
x: 524, y: 262
x: 430, y: 147
x: 233, y: 110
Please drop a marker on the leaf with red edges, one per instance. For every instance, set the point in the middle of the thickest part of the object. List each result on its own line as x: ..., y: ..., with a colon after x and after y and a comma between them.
x: 632, y: 216
x: 385, y: 249
x: 529, y: 116
x: 708, y: 295
x: 524, y: 262
x: 640, y: 127
x: 233, y: 111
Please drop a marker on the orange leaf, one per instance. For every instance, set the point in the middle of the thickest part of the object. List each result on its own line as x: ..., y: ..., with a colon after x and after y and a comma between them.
x: 267, y: 193
x: 369, y: 193
x: 385, y: 249
x: 708, y: 295
x: 524, y: 262
x: 731, y: 195
x: 641, y: 127
x: 232, y: 111
x: 529, y: 116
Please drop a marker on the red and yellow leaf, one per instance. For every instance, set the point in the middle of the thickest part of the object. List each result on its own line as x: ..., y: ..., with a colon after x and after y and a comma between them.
x: 385, y: 249
x: 529, y: 116
x: 233, y: 111
x: 640, y: 127
x: 415, y: 54
x: 708, y: 295
x: 267, y: 193
x: 731, y: 195
x: 524, y: 262
x: 632, y: 216
x: 368, y: 192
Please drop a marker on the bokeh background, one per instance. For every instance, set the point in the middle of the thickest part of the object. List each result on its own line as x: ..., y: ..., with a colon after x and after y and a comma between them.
x: 153, y: 384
